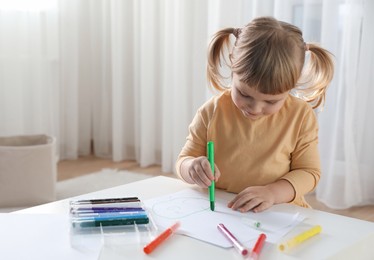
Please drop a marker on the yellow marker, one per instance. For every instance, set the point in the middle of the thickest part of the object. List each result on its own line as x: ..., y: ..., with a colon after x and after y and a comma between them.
x: 300, y: 238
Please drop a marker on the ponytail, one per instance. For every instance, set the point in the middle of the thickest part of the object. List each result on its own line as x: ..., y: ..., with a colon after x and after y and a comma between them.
x: 269, y: 56
x: 317, y: 75
x: 216, y: 53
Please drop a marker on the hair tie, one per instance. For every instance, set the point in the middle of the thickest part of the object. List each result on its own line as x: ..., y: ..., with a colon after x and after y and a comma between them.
x: 236, y: 32
x: 306, y: 46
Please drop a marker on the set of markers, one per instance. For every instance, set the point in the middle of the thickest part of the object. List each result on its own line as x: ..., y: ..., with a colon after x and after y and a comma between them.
x: 112, y: 212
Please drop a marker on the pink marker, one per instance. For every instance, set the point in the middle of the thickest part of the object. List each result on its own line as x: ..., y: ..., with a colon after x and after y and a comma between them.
x: 238, y: 246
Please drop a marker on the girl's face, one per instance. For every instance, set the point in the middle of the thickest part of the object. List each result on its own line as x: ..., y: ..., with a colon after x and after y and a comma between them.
x: 254, y: 104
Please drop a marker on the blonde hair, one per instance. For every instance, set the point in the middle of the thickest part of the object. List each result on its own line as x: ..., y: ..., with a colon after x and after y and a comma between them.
x: 269, y: 55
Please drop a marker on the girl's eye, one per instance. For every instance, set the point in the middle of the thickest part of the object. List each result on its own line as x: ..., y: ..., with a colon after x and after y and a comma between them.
x: 243, y: 94
x: 271, y: 102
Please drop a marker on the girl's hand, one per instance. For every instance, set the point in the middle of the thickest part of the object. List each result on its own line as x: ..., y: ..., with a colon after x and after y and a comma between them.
x: 255, y: 198
x: 259, y: 198
x: 197, y: 170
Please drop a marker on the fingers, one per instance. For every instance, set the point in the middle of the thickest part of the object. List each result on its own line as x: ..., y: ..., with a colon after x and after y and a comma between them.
x: 205, y: 165
x: 261, y: 207
x: 241, y: 199
x: 256, y: 205
x: 201, y: 173
x: 245, y: 204
x: 217, y: 173
x: 199, y: 176
x: 256, y: 199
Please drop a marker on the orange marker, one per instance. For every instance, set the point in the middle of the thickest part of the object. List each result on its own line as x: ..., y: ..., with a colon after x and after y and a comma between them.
x: 258, y: 246
x: 162, y: 237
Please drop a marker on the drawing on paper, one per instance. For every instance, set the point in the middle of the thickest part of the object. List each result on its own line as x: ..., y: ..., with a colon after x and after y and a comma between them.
x: 178, y: 208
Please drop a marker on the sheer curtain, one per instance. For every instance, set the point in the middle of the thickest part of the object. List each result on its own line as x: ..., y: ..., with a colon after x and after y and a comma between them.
x: 124, y: 78
x: 28, y: 68
x: 121, y: 78
x: 347, y: 136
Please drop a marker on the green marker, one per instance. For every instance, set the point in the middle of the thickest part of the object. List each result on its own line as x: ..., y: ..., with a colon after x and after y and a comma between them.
x: 110, y: 222
x: 210, y: 155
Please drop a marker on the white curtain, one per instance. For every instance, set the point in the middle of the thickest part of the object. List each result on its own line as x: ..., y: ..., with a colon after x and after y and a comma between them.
x: 347, y: 125
x: 125, y: 78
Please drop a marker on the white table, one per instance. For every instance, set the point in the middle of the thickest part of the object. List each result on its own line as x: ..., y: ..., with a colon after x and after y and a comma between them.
x: 341, y: 237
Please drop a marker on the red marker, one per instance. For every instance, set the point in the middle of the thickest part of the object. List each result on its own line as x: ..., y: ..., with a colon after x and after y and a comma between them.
x: 162, y: 237
x: 258, y: 246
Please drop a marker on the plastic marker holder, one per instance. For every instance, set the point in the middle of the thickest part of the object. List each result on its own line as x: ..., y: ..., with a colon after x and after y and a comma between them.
x: 161, y: 238
x: 210, y: 155
x: 300, y: 238
x: 235, y: 242
x: 86, y: 215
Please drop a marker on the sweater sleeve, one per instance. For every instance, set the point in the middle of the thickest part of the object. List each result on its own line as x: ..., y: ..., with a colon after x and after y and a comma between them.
x: 305, y: 162
x: 195, y: 145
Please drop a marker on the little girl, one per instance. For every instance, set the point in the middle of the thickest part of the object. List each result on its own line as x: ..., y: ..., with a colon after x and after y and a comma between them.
x: 266, y: 139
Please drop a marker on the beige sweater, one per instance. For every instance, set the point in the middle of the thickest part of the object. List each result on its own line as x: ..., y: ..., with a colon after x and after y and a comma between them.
x: 257, y: 152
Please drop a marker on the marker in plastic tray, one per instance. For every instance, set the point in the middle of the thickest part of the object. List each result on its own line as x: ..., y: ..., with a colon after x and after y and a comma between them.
x: 106, y: 209
x: 136, y: 204
x: 105, y: 201
x: 109, y: 222
x: 110, y: 215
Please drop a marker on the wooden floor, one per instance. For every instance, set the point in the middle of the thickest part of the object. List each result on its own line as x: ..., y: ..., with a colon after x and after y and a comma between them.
x: 85, y: 165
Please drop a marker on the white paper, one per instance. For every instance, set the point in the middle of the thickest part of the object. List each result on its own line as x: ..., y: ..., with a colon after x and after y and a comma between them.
x: 192, y: 209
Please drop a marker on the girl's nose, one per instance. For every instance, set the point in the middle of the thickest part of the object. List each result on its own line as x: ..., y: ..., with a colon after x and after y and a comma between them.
x: 255, y: 107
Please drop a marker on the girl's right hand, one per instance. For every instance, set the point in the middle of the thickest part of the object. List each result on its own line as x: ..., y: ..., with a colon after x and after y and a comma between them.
x: 197, y: 171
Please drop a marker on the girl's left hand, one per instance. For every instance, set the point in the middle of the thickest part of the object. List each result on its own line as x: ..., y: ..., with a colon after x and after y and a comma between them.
x: 255, y: 198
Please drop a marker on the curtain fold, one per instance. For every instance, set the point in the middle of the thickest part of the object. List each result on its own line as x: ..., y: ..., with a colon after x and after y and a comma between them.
x: 124, y: 78
x: 123, y: 69
x: 347, y: 136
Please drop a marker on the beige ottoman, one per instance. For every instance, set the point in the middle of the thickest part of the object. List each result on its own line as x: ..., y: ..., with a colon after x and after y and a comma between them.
x: 27, y: 170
